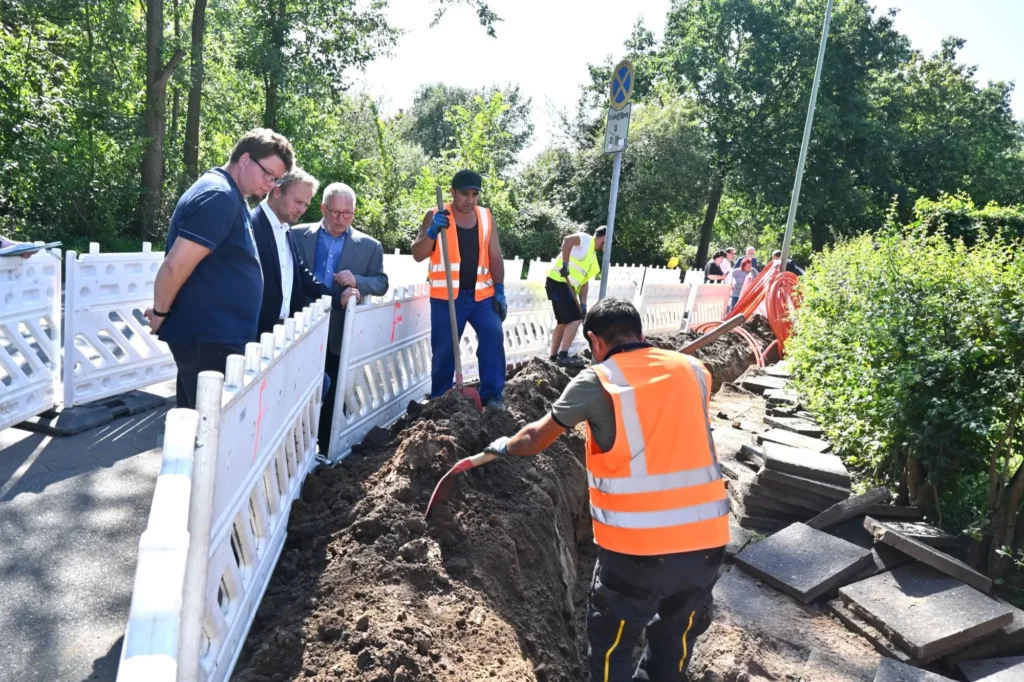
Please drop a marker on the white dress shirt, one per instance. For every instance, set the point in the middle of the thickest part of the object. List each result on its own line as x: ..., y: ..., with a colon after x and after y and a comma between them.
x: 284, y: 255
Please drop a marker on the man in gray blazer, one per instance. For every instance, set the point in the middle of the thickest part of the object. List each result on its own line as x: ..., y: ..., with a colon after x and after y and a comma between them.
x: 352, y: 261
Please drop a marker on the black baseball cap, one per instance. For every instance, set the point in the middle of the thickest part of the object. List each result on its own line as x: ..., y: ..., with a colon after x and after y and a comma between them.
x: 467, y: 179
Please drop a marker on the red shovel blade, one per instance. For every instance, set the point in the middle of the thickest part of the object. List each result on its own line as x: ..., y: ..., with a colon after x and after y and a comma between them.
x: 444, y: 487
x: 473, y: 395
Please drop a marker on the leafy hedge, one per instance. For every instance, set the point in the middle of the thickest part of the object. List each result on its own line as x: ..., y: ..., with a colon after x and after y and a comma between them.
x: 911, y: 347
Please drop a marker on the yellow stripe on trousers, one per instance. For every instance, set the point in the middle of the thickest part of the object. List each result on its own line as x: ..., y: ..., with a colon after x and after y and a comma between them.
x: 608, y: 655
x: 688, y: 626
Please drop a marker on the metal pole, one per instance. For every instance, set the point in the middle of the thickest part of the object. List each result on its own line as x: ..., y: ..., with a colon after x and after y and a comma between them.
x: 606, y: 267
x: 807, y: 140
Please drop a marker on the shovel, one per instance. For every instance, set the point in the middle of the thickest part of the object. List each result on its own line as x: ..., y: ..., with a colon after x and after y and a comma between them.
x: 444, y: 486
x: 470, y: 393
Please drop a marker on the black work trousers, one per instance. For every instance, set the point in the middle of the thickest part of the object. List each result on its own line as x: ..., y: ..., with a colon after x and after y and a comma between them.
x: 627, y: 592
x: 323, y: 436
x: 196, y: 358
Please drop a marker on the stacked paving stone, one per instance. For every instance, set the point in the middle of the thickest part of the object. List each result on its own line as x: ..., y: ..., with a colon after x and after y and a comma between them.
x: 796, y: 476
x: 884, y: 572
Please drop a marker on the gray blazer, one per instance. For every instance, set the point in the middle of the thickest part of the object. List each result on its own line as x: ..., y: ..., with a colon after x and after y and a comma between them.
x: 363, y: 257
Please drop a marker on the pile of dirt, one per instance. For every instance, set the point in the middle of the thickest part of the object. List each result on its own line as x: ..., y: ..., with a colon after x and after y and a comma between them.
x: 727, y: 357
x: 486, y: 589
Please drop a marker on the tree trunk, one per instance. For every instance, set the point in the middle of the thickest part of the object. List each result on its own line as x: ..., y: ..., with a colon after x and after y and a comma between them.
x: 152, y: 169
x: 272, y: 77
x: 714, y: 199
x: 176, y: 96
x: 195, y: 92
x: 921, y: 492
x: 819, y: 237
x: 270, y: 106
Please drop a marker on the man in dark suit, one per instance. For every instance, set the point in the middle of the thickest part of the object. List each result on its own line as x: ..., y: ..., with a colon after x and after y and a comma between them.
x: 352, y: 262
x: 288, y: 285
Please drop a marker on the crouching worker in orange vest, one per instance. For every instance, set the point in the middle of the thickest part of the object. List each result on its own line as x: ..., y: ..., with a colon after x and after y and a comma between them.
x: 657, y: 496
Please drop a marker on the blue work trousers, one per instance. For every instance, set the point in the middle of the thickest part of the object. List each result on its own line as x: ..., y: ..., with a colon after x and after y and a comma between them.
x: 490, y: 352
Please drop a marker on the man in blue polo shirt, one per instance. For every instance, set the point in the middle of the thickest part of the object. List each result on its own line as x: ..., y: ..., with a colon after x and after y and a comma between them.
x: 209, y: 289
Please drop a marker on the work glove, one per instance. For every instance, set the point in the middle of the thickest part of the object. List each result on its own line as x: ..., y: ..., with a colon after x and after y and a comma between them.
x: 498, y: 447
x: 440, y: 222
x: 500, y: 305
x: 564, y: 270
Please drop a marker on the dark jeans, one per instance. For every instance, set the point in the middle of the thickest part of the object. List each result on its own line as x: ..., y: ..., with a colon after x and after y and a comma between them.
x: 627, y: 592
x: 199, y: 357
x: 323, y: 436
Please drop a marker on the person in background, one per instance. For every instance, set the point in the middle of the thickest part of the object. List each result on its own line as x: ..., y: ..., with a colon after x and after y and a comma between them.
x: 352, y: 262
x: 791, y: 266
x: 751, y: 254
x: 288, y: 285
x: 208, y: 290
x: 575, y: 266
x: 739, y: 279
x: 713, y: 272
x: 730, y: 260
x: 479, y: 287
x: 657, y: 497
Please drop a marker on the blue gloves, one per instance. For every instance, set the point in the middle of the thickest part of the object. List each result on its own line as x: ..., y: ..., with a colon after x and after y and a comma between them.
x: 564, y: 270
x: 498, y: 447
x: 500, y: 304
x: 440, y: 222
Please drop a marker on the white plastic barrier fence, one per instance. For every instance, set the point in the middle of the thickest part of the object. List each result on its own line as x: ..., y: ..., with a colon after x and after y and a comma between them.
x: 709, y: 304
x: 29, y: 336
x: 694, y: 277
x: 661, y: 307
x: 661, y: 275
x: 513, y: 269
x: 403, y: 270
x: 108, y: 348
x: 539, y: 269
x: 220, y: 510
x: 385, y: 363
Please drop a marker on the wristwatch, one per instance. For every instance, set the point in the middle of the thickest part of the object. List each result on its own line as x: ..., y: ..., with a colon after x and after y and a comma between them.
x: 160, y: 314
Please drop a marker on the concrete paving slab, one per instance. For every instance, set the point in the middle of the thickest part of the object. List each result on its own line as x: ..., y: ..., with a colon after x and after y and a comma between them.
x: 892, y: 511
x: 736, y: 470
x: 994, y: 670
x: 805, y: 463
x: 766, y: 506
x: 924, y: 532
x: 1009, y: 638
x: 760, y: 384
x: 802, y: 484
x: 884, y: 533
x: 779, y: 369
x: 883, y: 557
x: 739, y: 537
x: 70, y: 422
x: 849, y: 508
x: 894, y: 671
x: 751, y: 455
x: 762, y: 523
x: 794, y: 440
x: 925, y: 612
x: 804, y: 562
x: 781, y: 397
x: 794, y: 424
x: 811, y: 503
x: 873, y: 635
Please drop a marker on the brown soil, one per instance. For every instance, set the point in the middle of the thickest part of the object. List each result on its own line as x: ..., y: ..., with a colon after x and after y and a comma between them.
x: 367, y: 590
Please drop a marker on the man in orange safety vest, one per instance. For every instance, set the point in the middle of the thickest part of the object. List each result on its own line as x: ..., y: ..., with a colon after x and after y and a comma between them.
x: 657, y: 497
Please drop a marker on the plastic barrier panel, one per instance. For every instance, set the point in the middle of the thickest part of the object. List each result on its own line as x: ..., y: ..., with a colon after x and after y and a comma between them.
x: 220, y: 511
x: 660, y: 275
x: 29, y: 336
x: 108, y: 348
x: 403, y: 270
x: 513, y: 270
x: 694, y: 277
x: 385, y: 363
x: 662, y: 307
x: 538, y: 270
x: 527, y: 328
x: 709, y: 304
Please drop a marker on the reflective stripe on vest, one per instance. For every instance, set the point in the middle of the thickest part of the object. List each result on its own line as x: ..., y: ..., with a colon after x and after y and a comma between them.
x: 659, y: 489
x: 484, y: 281
x: 580, y: 271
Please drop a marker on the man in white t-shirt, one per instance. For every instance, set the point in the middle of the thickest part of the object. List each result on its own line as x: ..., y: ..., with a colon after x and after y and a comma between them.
x: 575, y: 267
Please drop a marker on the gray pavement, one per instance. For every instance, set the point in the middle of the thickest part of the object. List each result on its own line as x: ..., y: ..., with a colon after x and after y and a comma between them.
x: 71, y: 513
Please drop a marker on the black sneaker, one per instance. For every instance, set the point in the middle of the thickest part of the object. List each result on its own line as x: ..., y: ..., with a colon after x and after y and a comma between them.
x: 571, y: 362
x: 495, y: 404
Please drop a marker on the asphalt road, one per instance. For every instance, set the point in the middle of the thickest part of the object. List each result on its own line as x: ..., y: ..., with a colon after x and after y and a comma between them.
x: 71, y: 513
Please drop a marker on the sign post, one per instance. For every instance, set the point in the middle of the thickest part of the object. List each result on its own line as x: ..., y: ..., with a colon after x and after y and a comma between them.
x: 617, y: 131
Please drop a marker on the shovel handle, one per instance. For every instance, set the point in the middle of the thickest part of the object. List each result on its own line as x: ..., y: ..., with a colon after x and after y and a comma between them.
x: 451, y: 292
x: 727, y: 326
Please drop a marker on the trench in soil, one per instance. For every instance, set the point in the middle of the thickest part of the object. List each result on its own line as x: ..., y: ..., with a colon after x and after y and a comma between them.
x: 493, y: 587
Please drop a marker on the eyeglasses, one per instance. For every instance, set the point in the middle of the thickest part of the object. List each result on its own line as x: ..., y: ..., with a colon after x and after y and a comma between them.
x: 270, y: 177
x: 336, y: 215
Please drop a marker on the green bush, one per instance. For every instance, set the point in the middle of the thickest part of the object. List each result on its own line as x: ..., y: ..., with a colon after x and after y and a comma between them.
x: 959, y: 217
x: 910, y: 345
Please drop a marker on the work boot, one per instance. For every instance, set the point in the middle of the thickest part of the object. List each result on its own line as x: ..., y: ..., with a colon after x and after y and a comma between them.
x: 495, y: 404
x: 571, y: 362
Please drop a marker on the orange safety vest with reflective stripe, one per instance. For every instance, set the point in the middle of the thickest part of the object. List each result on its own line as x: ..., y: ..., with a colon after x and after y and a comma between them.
x: 659, y: 490
x: 484, y: 282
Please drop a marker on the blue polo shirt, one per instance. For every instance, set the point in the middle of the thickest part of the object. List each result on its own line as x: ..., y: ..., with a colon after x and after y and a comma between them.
x: 220, y: 301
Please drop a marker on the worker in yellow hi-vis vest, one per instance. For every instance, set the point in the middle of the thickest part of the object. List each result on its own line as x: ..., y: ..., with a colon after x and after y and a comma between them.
x: 575, y: 267
x: 657, y: 497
